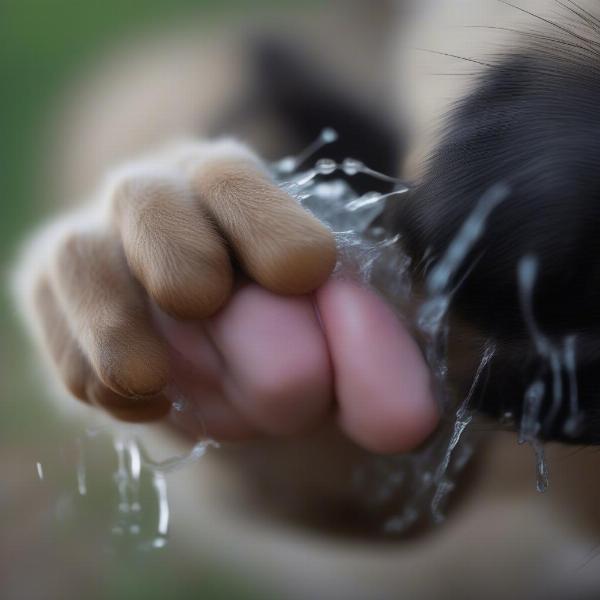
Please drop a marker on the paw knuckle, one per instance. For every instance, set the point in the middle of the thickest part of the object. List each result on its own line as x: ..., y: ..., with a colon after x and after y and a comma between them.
x: 147, y: 192
x: 194, y: 290
x: 129, y: 363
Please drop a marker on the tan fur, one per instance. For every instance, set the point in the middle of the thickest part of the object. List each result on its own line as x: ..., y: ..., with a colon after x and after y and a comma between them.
x: 172, y: 247
x: 75, y: 369
x: 161, y: 230
x: 279, y: 244
x: 108, y: 313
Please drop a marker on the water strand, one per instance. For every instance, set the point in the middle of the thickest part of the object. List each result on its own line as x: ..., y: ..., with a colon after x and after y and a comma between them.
x: 290, y: 163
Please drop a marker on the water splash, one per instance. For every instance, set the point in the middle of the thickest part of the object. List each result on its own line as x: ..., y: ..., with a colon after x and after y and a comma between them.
x: 371, y: 199
x: 527, y: 271
x: 133, y: 468
x: 530, y: 418
x: 127, y: 488
x: 181, y: 461
x: 164, y: 513
x: 440, y: 283
x: 443, y: 272
x: 530, y: 429
x: 81, y: 470
x: 420, y: 481
x: 464, y: 417
x: 559, y: 357
x: 133, y: 462
x: 349, y: 167
x: 426, y: 477
x: 289, y: 164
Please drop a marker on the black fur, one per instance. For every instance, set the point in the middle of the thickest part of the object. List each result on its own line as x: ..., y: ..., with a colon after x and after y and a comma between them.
x: 533, y: 122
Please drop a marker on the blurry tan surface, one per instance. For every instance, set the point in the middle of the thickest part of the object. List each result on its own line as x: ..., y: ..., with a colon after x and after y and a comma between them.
x: 504, y: 540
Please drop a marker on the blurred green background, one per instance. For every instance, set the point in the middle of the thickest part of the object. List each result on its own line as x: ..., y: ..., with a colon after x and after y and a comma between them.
x: 54, y: 544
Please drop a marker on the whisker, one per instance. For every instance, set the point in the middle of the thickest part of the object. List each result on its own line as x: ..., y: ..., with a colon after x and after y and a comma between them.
x: 450, y: 74
x: 448, y: 54
x: 535, y: 35
x: 579, y: 17
x: 551, y: 23
x: 592, y: 18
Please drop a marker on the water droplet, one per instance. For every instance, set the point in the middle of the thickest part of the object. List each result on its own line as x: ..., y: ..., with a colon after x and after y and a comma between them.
x: 287, y: 165
x: 325, y: 166
x: 351, y: 166
x: 329, y: 135
x: 160, y: 485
